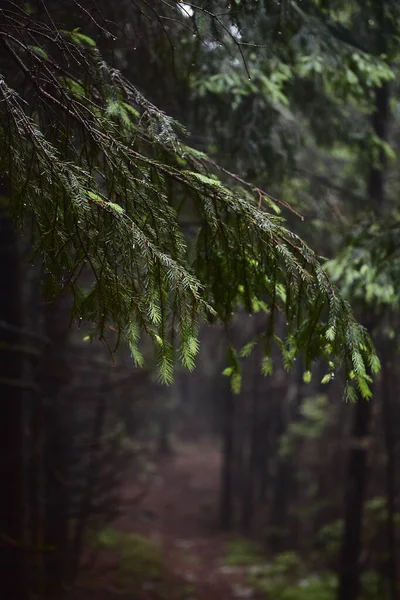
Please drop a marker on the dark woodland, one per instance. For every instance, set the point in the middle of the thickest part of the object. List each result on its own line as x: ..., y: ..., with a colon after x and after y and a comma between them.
x: 199, y: 272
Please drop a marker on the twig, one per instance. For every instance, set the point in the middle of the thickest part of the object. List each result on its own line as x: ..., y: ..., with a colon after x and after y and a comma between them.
x: 261, y: 193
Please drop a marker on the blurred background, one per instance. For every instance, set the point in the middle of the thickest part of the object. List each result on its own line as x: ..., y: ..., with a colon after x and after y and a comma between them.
x: 194, y: 491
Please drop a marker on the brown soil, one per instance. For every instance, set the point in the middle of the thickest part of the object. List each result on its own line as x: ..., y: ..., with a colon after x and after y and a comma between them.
x: 180, y: 511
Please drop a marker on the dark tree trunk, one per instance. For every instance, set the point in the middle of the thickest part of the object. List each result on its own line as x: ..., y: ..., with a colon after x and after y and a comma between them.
x: 283, y: 488
x: 357, y: 466
x: 254, y: 470
x: 57, y: 441
x: 354, y: 503
x: 35, y: 485
x: 264, y: 450
x: 92, y: 472
x: 228, y: 418
x: 57, y: 503
x: 250, y: 473
x: 13, y: 582
x: 389, y: 418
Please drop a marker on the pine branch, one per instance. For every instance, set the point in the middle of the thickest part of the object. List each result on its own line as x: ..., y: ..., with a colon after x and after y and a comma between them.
x: 101, y: 171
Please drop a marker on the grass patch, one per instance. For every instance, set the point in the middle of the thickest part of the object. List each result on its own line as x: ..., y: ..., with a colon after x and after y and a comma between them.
x: 139, y: 566
x: 138, y: 559
x: 288, y: 578
x: 242, y: 552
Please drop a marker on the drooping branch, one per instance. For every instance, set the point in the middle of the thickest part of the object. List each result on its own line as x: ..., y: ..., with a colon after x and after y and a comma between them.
x: 101, y: 170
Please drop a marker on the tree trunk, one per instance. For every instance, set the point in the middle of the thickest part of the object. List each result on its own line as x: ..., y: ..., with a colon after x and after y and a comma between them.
x: 89, y: 491
x: 57, y: 441
x: 228, y: 418
x: 354, y: 503
x: 251, y: 471
x: 388, y: 418
x: 57, y: 503
x: 13, y: 581
x: 357, y: 467
x: 35, y: 491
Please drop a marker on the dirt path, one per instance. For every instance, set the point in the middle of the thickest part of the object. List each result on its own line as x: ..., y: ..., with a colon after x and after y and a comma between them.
x: 183, y: 499
x: 180, y: 512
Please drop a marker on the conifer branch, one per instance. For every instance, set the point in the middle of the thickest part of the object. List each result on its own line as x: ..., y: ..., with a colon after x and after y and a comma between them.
x: 104, y: 173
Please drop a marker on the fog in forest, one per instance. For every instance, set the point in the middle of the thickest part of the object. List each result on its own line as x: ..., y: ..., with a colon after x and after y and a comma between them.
x: 199, y: 241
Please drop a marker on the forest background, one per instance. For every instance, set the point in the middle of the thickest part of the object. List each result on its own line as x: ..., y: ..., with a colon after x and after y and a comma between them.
x: 297, y: 102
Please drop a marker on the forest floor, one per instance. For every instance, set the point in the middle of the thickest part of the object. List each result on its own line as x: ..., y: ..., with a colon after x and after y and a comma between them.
x: 179, y: 515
